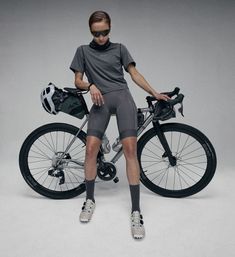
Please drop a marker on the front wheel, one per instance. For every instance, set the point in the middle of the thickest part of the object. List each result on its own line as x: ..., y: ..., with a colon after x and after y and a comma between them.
x: 195, y: 161
x: 44, y: 166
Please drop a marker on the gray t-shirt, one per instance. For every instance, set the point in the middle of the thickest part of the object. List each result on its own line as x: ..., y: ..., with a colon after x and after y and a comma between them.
x: 103, y: 67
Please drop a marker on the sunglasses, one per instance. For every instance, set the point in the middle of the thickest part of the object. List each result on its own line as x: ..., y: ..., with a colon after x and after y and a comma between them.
x: 98, y: 33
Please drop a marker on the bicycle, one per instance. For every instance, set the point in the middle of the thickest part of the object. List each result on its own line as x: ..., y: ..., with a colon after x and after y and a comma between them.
x: 176, y: 160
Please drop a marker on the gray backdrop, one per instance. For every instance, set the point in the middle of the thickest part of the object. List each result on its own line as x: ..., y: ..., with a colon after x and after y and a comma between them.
x: 185, y: 43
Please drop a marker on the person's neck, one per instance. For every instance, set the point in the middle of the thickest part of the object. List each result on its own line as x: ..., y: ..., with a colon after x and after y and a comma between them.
x: 96, y: 46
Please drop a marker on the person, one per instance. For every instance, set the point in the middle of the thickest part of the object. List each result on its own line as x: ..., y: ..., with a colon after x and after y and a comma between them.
x: 102, y: 61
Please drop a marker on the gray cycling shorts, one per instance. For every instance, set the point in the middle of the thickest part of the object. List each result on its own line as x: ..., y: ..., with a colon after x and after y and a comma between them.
x: 121, y: 104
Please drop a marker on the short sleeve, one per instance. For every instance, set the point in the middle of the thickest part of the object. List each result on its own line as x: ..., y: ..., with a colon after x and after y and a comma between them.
x: 126, y: 57
x: 78, y: 61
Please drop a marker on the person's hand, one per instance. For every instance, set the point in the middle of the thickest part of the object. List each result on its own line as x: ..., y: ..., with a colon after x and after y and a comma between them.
x: 161, y: 96
x: 96, y: 95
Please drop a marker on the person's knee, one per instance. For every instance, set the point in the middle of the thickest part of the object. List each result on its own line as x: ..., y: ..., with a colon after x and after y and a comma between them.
x: 92, y: 147
x: 129, y: 148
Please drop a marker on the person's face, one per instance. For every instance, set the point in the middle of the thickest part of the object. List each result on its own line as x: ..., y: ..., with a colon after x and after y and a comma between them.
x: 102, y: 27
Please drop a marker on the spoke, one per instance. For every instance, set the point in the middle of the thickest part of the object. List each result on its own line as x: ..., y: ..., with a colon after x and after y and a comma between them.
x: 181, y: 177
x: 80, y: 158
x: 76, y: 147
x: 66, y: 184
x: 183, y: 146
x: 174, y: 178
x: 187, y: 147
x: 53, y: 143
x: 195, y: 157
x: 191, y: 165
x: 167, y: 177
x: 37, y: 157
x: 162, y: 177
x: 160, y: 148
x: 45, y: 145
x: 38, y: 161
x: 57, y: 182
x: 155, y: 163
x: 156, y: 157
x: 40, y: 168
x: 41, y: 176
x: 34, y: 174
x: 51, y: 182
x: 191, y: 151
x: 156, y: 171
x: 45, y: 179
x: 187, y: 175
x: 183, y: 166
x: 163, y: 170
x: 53, y: 150
x: 178, y: 143
x: 68, y: 142
x: 75, y: 176
x: 45, y: 157
x: 151, y: 151
x: 69, y: 178
x: 43, y: 154
x: 56, y: 140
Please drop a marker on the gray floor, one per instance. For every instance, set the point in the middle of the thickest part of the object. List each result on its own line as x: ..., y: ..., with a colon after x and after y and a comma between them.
x: 31, y: 225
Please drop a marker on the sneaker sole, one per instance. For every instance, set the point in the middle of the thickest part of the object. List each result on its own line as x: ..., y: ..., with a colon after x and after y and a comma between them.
x: 84, y: 220
x: 138, y: 237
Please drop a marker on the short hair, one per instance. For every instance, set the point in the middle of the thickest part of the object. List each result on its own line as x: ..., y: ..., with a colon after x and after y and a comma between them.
x: 98, y: 16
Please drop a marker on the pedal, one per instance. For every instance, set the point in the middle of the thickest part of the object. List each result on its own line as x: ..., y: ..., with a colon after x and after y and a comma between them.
x: 116, y: 179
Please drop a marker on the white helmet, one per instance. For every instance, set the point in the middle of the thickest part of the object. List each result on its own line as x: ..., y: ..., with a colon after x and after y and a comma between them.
x: 46, y: 98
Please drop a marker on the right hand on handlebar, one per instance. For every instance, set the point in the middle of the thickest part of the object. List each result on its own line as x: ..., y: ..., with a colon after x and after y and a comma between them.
x: 161, y: 96
x: 96, y: 95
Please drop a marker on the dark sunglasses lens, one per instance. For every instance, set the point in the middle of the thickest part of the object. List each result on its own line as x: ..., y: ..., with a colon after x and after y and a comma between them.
x: 95, y: 34
x: 98, y: 33
x: 105, y: 32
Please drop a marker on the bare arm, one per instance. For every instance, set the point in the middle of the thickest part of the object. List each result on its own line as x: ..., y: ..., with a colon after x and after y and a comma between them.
x: 141, y: 82
x: 96, y: 95
x: 79, y: 83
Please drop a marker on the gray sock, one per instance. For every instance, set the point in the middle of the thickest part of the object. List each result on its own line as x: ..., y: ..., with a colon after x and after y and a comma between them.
x: 135, y: 197
x: 90, y: 186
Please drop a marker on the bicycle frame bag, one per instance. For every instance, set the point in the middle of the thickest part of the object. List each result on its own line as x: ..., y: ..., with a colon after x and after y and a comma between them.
x: 55, y: 100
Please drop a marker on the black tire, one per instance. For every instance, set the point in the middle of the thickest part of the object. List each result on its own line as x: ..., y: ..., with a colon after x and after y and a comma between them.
x: 40, y: 147
x: 191, y: 173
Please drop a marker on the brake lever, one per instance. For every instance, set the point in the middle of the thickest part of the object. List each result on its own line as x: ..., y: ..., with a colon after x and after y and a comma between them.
x: 180, y: 110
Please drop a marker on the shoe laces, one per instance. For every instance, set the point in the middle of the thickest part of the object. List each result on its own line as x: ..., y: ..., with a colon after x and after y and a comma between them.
x: 137, y: 219
x: 87, y: 205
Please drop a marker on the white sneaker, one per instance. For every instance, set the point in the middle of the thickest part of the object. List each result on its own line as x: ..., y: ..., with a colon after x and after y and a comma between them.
x: 137, y: 225
x: 87, y: 210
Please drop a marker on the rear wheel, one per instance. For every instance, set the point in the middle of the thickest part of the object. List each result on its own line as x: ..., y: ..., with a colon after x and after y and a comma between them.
x: 39, y: 156
x: 195, y: 161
